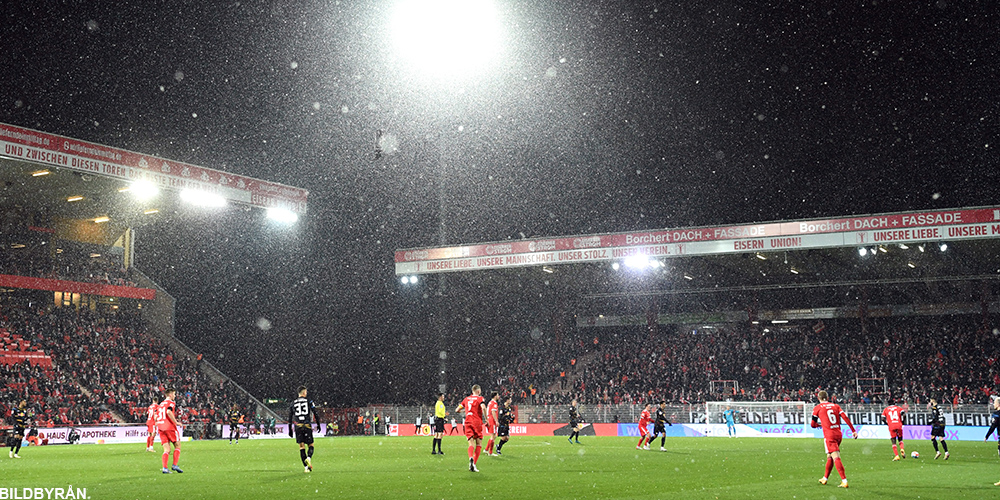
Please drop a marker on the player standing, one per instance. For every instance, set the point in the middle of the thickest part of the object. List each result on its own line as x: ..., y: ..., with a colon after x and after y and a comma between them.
x: 474, y: 408
x: 298, y: 417
x: 994, y: 424
x: 234, y: 423
x: 730, y: 417
x: 658, y: 429
x: 166, y: 422
x: 937, y: 430
x: 505, y: 415
x: 151, y: 425
x: 491, y: 422
x: 574, y: 422
x: 20, y: 418
x: 439, y: 415
x: 895, y: 418
x: 644, y: 419
x: 830, y: 416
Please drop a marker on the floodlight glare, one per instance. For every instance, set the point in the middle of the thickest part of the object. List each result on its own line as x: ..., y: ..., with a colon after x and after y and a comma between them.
x: 943, y: 247
x: 413, y: 280
x: 282, y: 215
x: 143, y: 190
x: 202, y: 198
x: 405, y: 280
x: 447, y: 38
x: 615, y: 266
x: 862, y: 251
x: 638, y: 262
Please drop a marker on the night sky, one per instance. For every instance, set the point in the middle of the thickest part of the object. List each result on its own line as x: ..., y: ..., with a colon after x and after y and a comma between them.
x: 595, y: 117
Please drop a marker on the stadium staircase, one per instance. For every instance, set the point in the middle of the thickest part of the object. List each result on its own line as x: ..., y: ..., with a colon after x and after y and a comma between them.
x: 573, y: 375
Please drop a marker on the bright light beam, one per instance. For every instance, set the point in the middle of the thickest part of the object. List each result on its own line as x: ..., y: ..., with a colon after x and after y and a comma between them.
x: 144, y: 190
x: 447, y: 39
x: 282, y: 215
x: 202, y: 198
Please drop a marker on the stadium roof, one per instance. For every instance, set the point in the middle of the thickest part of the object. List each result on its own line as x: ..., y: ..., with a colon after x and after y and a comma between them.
x: 922, y: 258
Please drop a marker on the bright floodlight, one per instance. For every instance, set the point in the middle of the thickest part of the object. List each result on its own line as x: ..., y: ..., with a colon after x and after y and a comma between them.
x: 615, y: 266
x: 202, y: 198
x: 413, y: 280
x: 282, y: 215
x: 943, y: 247
x: 446, y: 38
x: 143, y: 190
x: 405, y: 280
x: 862, y: 251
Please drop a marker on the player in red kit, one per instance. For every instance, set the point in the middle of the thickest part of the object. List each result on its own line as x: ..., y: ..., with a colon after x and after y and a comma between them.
x: 166, y: 422
x: 491, y: 422
x: 894, y: 418
x: 830, y: 416
x: 151, y: 425
x: 474, y: 408
x: 644, y: 419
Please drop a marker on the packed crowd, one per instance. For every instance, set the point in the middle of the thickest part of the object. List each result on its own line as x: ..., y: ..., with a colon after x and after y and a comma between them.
x: 104, y: 369
x: 945, y: 357
x: 74, y: 264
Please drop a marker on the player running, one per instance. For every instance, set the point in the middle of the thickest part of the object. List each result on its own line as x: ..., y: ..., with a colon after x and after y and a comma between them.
x: 994, y: 424
x: 644, y: 419
x: 234, y: 423
x: 574, y: 422
x: 937, y: 430
x: 491, y: 421
x: 151, y: 426
x: 830, y: 416
x: 730, y: 417
x: 474, y: 408
x: 166, y: 422
x: 20, y: 417
x: 505, y: 416
x: 658, y: 429
x: 300, y: 426
x: 895, y: 418
x: 439, y: 415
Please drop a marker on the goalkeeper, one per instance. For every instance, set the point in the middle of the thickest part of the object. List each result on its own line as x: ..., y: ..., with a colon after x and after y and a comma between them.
x: 730, y: 416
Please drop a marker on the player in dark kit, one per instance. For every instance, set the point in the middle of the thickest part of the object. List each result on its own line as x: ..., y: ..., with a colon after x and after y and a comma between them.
x: 658, y: 428
x: 20, y: 417
x: 574, y: 422
x: 994, y: 423
x: 937, y: 430
x: 300, y: 426
x: 505, y: 416
x: 234, y: 423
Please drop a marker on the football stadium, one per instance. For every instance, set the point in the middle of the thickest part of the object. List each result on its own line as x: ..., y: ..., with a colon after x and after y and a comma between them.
x: 561, y: 269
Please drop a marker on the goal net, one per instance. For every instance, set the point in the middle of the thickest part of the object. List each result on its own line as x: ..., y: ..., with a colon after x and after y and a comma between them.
x: 783, y: 413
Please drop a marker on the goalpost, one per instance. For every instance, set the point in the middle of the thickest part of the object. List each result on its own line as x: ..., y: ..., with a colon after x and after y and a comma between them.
x: 793, y: 416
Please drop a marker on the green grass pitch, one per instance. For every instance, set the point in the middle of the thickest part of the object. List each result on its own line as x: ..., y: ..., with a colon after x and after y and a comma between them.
x: 381, y: 468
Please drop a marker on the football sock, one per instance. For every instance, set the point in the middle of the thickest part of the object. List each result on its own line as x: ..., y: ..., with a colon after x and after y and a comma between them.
x: 663, y: 441
x: 478, y: 450
x: 934, y: 442
x: 177, y: 456
x: 472, y: 450
x: 166, y: 456
x: 310, y: 453
x: 489, y: 446
x: 641, y: 440
x: 901, y: 450
x: 434, y: 445
x: 500, y: 445
x: 302, y: 455
x: 18, y: 449
x: 945, y: 446
x: 840, y: 468
x: 894, y: 452
x: 829, y: 467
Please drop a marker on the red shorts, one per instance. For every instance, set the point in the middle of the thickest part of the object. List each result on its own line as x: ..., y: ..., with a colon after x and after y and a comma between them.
x: 151, y: 428
x: 168, y: 436
x: 474, y: 430
x: 643, y: 430
x: 832, y: 442
x: 896, y: 432
x: 491, y: 427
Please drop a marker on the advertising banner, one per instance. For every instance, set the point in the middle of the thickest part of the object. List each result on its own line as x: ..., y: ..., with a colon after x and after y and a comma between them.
x: 64, y: 152
x: 912, y: 227
x: 99, y: 434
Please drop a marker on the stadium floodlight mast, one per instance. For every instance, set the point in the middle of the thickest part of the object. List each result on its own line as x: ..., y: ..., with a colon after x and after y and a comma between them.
x: 446, y: 39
